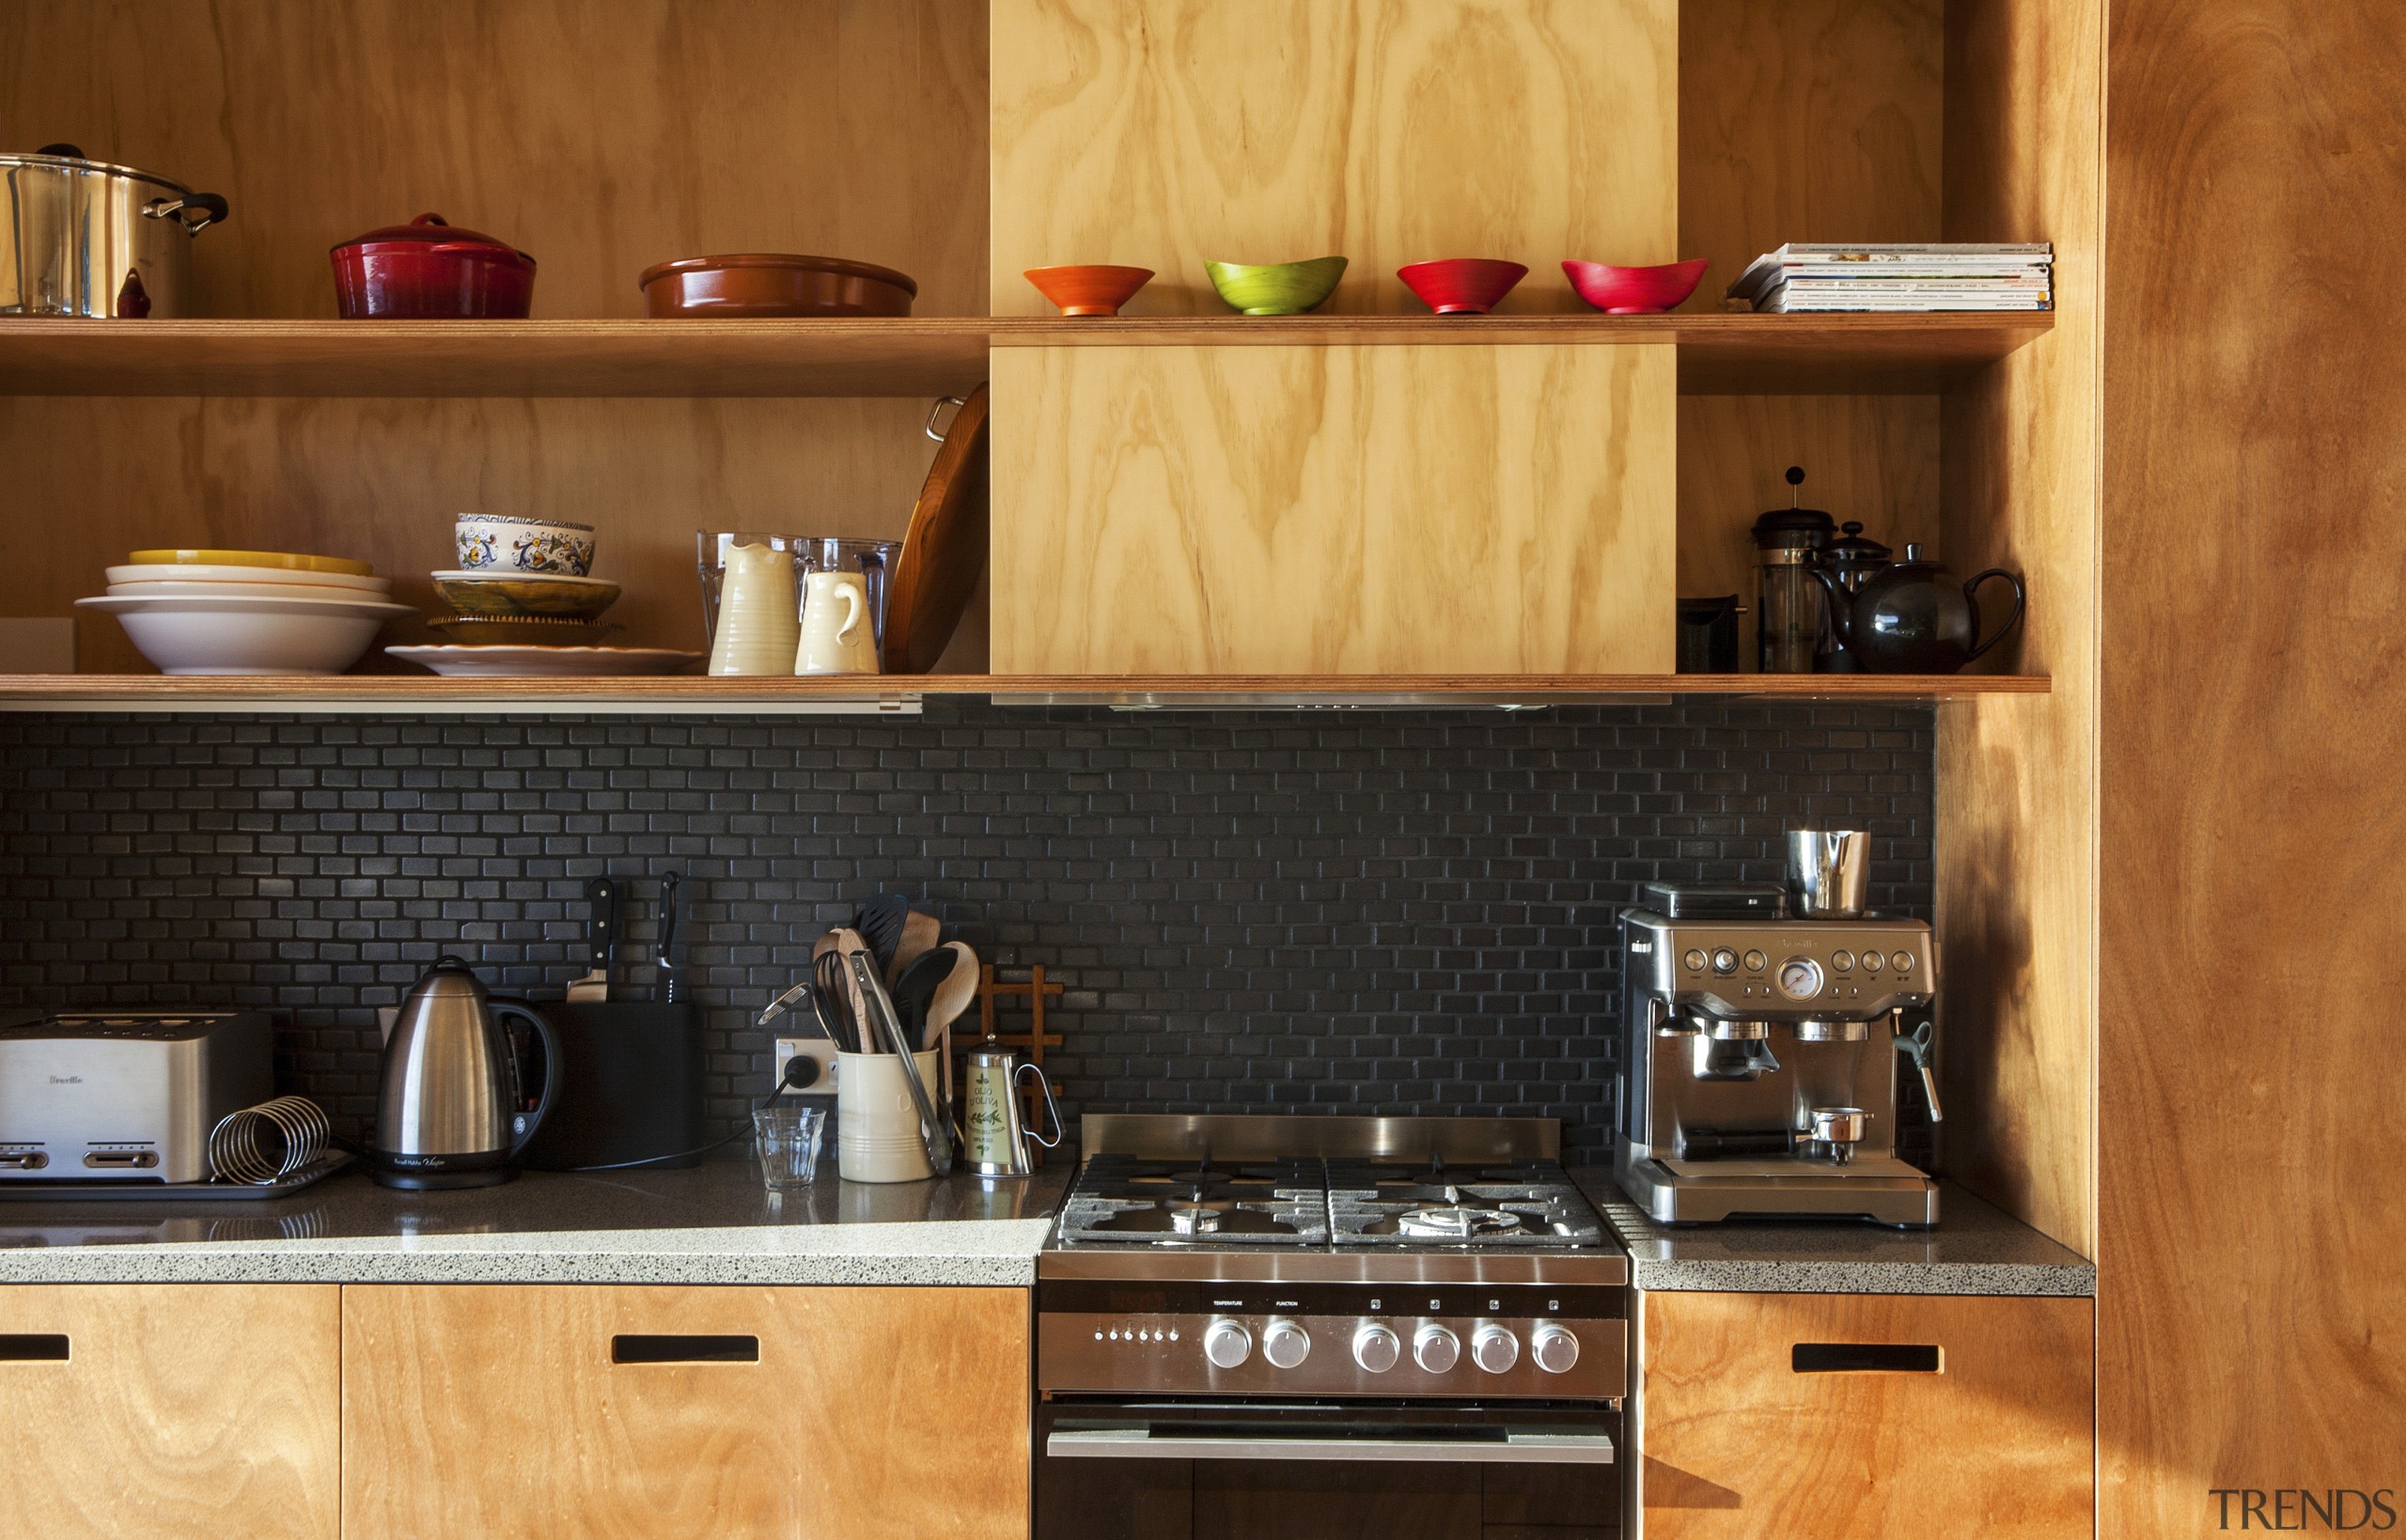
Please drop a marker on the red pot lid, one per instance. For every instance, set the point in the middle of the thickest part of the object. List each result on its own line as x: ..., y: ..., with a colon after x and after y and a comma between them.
x: 433, y: 230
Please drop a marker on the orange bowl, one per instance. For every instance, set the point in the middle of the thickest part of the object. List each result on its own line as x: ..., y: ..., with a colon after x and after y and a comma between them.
x: 1091, y: 289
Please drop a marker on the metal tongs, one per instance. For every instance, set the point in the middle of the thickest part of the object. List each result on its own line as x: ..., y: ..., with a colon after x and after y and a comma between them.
x: 883, y: 1023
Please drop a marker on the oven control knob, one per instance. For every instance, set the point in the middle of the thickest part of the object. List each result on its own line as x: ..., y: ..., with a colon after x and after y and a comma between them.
x: 1376, y: 1348
x: 1493, y: 1348
x: 1285, y: 1344
x: 1554, y: 1348
x: 1435, y: 1350
x: 1227, y: 1344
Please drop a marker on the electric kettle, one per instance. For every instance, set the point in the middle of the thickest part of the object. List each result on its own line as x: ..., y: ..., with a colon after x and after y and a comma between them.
x: 448, y: 1106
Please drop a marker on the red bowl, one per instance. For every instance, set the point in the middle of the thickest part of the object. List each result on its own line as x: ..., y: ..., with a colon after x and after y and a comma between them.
x: 1635, y: 291
x: 1095, y: 289
x: 429, y: 269
x: 1463, y: 286
x: 755, y: 286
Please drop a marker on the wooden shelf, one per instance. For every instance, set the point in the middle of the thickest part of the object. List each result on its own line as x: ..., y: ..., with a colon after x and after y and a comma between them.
x: 501, y: 358
x: 372, y: 692
x: 1719, y: 355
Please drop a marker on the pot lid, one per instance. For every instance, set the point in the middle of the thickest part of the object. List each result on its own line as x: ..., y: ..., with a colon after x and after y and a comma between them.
x: 1852, y: 548
x: 434, y: 229
x: 74, y: 157
x: 1790, y: 527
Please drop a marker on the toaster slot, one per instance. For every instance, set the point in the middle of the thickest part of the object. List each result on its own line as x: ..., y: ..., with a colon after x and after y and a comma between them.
x: 23, y: 1159
x: 122, y: 1159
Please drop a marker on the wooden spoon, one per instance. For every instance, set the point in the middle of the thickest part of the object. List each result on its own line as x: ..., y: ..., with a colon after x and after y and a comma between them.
x: 952, y: 996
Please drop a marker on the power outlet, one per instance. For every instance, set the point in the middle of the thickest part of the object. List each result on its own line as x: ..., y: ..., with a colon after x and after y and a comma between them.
x: 817, y: 1049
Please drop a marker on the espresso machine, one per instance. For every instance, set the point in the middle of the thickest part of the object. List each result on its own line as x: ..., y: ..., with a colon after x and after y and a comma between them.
x: 1768, y: 1033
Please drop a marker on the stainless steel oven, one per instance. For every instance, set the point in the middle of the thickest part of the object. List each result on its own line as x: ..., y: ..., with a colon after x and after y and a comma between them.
x: 1251, y: 1327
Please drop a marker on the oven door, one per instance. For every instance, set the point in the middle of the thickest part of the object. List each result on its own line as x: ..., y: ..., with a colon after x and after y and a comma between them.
x: 1199, y: 1469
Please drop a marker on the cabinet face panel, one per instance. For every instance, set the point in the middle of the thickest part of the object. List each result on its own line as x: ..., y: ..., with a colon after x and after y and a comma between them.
x: 1165, y: 134
x: 181, y: 1410
x: 1738, y: 1444
x: 1339, y: 510
x: 499, y: 1412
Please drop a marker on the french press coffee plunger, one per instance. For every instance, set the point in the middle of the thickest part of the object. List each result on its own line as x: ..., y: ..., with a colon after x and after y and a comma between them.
x: 1791, y: 614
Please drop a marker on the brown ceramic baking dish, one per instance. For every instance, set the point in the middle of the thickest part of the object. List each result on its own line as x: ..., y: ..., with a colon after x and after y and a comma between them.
x: 765, y: 284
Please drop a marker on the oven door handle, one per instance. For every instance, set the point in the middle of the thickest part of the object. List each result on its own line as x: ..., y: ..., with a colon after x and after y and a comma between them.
x: 1514, y: 1448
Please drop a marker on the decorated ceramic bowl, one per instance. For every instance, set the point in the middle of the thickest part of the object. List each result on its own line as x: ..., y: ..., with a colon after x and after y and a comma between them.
x: 488, y: 544
x: 506, y: 595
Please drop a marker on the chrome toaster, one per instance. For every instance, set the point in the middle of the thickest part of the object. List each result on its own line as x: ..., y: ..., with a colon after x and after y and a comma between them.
x: 128, y: 1097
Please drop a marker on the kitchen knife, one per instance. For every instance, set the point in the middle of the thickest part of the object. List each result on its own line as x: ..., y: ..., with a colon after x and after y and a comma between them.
x: 600, y: 940
x: 668, y: 982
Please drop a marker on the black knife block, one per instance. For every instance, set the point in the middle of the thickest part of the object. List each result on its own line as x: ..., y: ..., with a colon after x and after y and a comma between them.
x: 630, y: 1087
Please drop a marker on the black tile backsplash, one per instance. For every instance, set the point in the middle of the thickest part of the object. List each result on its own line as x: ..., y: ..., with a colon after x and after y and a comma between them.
x: 1372, y: 912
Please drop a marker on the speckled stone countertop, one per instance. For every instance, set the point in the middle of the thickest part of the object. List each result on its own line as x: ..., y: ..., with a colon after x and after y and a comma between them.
x: 712, y: 1224
x: 1976, y: 1248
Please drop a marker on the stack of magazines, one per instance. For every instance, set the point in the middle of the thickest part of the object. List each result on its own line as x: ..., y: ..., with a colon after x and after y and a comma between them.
x: 1818, y: 278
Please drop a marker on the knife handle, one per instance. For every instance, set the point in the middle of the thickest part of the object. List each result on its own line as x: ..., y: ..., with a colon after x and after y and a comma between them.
x: 601, y: 924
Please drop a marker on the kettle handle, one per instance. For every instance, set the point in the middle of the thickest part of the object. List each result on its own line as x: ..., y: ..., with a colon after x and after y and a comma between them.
x: 543, y: 1029
x: 2021, y: 601
x: 1060, y: 1131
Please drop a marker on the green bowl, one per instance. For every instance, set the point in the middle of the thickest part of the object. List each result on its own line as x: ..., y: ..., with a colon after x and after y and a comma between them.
x: 1279, y: 289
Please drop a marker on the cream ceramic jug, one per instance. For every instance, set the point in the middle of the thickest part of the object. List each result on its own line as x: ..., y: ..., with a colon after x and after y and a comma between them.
x: 838, y: 636
x: 759, y: 622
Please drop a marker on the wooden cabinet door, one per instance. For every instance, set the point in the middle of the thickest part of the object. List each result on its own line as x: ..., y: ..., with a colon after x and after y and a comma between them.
x: 624, y: 1413
x: 1745, y: 1435
x: 166, y: 1411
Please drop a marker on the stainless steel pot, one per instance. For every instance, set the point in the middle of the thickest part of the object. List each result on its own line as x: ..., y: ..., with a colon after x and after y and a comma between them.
x: 84, y: 238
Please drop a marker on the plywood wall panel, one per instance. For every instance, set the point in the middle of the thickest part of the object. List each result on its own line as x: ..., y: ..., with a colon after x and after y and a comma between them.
x: 1163, y: 133
x: 2017, y: 794
x: 600, y: 135
x: 2254, y: 712
x: 1334, y: 510
x: 92, y: 477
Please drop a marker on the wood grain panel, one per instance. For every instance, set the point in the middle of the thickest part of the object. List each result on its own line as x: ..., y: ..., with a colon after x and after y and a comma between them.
x: 185, y: 1412
x: 600, y: 135
x: 382, y: 480
x: 1165, y: 134
x: 2254, y: 708
x: 1998, y: 1445
x: 1333, y: 510
x: 2018, y: 795
x: 1872, y: 458
x: 498, y: 1412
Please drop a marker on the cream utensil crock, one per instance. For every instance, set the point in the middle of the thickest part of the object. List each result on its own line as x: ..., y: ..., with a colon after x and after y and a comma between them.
x: 876, y: 1119
x: 838, y: 635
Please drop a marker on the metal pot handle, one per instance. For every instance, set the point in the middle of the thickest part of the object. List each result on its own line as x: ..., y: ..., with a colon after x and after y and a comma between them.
x: 210, y: 208
x: 933, y: 413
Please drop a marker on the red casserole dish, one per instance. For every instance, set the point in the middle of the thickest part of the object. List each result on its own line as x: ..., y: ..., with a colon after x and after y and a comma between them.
x: 427, y: 270
x: 762, y: 283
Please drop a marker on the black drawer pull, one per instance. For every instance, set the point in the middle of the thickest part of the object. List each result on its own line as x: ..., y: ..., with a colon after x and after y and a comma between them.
x: 680, y: 1350
x: 1864, y: 1358
x: 33, y: 1347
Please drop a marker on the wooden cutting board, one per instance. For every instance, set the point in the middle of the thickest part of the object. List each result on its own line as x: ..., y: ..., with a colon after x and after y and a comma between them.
x: 944, y: 551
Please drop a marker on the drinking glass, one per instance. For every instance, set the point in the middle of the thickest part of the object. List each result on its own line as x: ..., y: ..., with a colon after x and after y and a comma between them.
x: 785, y: 1136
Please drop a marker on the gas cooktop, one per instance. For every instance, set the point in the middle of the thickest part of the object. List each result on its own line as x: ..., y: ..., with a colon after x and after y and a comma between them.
x: 1322, y: 1197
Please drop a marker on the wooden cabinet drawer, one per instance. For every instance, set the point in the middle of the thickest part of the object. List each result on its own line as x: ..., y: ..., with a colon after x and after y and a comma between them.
x: 170, y: 1409
x: 647, y: 1412
x: 1871, y: 1416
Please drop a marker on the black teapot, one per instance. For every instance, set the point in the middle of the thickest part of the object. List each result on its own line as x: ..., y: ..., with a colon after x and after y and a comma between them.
x: 1913, y: 617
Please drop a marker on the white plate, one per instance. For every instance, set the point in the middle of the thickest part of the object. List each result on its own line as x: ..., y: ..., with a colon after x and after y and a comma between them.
x: 503, y: 574
x: 502, y: 663
x: 249, y: 635
x: 263, y: 607
x: 163, y: 573
x: 242, y: 590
